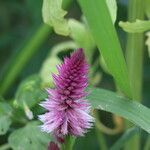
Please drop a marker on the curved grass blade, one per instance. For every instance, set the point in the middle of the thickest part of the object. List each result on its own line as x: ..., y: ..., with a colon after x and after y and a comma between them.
x: 133, y: 111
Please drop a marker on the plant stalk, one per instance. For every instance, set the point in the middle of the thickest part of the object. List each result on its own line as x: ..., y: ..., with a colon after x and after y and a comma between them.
x: 147, y: 143
x: 100, y: 135
x: 69, y: 143
x: 134, y: 57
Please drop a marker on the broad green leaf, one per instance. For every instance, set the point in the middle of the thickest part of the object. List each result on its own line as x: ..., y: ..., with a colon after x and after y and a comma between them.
x: 81, y: 35
x: 103, y: 31
x: 112, y: 6
x: 5, y: 117
x: 130, y: 110
x: 124, y: 138
x: 53, y: 15
x: 148, y: 42
x: 29, y: 138
x: 138, y: 26
x: 30, y: 92
x: 5, y: 108
x: 5, y: 123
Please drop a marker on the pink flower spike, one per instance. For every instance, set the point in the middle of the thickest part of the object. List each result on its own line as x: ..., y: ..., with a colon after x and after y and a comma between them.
x: 68, y: 110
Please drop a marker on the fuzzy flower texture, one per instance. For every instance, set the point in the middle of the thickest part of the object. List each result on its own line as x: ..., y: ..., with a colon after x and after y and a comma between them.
x: 67, y: 109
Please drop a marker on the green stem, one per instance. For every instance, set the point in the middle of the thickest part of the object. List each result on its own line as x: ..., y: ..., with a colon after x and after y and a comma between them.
x: 100, y: 136
x: 125, y: 137
x: 134, y: 51
x: 69, y: 143
x: 5, y: 147
x: 23, y: 57
x: 134, y: 56
x: 147, y: 143
x: 101, y: 139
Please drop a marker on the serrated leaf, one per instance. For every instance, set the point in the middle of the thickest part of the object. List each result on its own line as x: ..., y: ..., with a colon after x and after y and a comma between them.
x: 148, y: 42
x: 131, y: 110
x: 30, y: 92
x: 112, y: 6
x: 5, y: 117
x: 138, y: 26
x: 53, y: 15
x: 29, y: 138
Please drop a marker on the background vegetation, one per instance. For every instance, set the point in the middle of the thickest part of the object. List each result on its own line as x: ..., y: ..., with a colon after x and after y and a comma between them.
x: 30, y: 49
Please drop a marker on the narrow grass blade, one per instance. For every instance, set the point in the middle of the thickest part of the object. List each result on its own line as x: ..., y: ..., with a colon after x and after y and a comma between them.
x: 133, y: 111
x: 103, y: 31
x: 124, y: 138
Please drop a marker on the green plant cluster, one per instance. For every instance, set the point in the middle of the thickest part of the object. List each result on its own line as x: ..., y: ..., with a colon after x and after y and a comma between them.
x: 116, y: 63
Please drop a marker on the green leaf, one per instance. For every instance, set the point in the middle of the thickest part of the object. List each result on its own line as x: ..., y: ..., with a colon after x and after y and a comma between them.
x: 5, y: 117
x: 124, y: 138
x: 138, y: 26
x: 5, y: 123
x: 147, y: 8
x: 30, y: 92
x: 130, y: 110
x: 103, y: 31
x: 148, y: 42
x: 112, y: 6
x: 29, y: 138
x: 53, y: 15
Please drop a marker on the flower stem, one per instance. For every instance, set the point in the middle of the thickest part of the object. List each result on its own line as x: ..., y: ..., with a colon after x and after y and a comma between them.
x: 69, y: 143
x: 134, y: 56
x: 101, y: 139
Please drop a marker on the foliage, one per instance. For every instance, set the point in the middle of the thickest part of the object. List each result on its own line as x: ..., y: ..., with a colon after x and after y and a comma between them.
x: 5, y: 117
x: 29, y: 137
x: 93, y: 26
x: 135, y: 27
